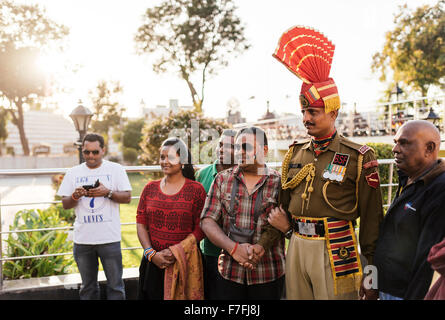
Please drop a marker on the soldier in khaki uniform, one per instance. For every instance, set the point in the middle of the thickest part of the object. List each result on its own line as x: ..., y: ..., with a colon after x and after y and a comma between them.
x: 328, y: 182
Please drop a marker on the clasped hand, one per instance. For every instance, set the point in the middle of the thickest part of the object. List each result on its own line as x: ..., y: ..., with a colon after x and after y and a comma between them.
x: 248, y: 255
x: 163, y: 259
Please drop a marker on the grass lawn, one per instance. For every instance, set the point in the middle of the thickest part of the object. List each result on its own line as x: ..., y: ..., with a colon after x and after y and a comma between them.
x: 132, y: 258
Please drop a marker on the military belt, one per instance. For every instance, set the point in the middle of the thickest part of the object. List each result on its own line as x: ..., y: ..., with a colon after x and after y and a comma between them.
x: 309, y: 227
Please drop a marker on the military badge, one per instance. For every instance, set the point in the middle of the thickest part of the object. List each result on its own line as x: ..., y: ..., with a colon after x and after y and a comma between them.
x: 363, y: 149
x: 304, y: 101
x: 371, y: 164
x: 373, y: 179
x: 336, y: 170
x: 343, y: 253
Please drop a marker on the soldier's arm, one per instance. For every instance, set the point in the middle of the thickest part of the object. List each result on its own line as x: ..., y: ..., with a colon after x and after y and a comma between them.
x: 370, y: 205
x: 269, y: 236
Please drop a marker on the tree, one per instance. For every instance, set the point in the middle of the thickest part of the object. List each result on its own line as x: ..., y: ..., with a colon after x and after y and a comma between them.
x: 3, y: 131
x: 192, y: 37
x: 24, y: 33
x: 107, y: 109
x: 415, y: 50
x: 130, y: 138
x: 198, y: 132
x: 132, y: 134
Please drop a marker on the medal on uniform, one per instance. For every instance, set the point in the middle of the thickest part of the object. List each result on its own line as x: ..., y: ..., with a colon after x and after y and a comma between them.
x: 336, y: 170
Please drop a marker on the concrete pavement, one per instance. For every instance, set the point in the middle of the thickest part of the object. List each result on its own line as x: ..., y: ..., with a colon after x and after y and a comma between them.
x: 23, y: 189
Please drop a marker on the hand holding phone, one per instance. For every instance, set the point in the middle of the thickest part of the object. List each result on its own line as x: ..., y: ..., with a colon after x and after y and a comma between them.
x: 91, y: 186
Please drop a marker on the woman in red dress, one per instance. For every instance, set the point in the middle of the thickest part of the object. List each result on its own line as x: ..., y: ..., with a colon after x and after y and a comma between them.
x: 168, y: 212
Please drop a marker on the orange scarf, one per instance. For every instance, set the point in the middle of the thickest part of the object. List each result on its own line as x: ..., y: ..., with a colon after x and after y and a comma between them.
x: 183, y: 280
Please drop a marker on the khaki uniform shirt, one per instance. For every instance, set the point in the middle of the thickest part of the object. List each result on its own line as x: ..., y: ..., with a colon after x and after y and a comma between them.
x: 341, y: 195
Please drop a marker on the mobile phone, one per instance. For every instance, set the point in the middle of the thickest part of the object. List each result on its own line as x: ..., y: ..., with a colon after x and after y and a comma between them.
x: 91, y: 186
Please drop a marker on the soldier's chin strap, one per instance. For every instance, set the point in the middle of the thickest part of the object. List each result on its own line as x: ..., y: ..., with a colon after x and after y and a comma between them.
x: 359, y: 172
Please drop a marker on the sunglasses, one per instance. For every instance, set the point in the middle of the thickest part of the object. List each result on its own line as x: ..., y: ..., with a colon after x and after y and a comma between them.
x: 87, y: 152
x: 245, y: 146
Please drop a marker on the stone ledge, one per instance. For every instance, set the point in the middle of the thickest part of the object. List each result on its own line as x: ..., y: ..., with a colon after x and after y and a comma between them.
x: 61, y: 287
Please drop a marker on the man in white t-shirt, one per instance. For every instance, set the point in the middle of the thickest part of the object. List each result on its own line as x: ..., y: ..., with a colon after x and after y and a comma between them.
x: 95, y: 189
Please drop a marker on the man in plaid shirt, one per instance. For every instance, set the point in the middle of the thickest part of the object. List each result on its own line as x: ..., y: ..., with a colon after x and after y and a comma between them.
x: 253, y: 268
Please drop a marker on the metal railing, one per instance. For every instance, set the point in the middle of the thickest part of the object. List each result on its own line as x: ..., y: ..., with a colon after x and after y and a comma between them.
x: 374, y: 120
x: 20, y: 172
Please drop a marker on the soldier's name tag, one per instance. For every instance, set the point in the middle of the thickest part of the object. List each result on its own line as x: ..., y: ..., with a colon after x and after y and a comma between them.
x: 307, y: 229
x: 336, y: 170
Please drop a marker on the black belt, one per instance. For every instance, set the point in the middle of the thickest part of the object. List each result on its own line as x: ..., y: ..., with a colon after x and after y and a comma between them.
x: 319, y: 228
x: 318, y: 224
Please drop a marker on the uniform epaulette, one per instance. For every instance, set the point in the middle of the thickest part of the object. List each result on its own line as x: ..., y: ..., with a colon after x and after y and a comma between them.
x: 361, y: 148
x: 302, y: 141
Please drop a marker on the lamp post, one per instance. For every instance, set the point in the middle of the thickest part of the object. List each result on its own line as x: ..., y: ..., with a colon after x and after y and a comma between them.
x: 396, y: 91
x: 433, y: 118
x: 81, y: 117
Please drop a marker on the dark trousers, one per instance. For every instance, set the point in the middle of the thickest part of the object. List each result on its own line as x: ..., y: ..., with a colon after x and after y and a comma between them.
x: 151, y: 281
x: 86, y: 257
x: 229, y: 290
x: 210, y: 266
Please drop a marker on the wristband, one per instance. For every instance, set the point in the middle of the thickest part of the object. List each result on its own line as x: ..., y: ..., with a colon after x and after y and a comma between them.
x: 75, y: 199
x: 234, y: 249
x: 289, y: 233
x: 109, y: 195
x: 149, y: 253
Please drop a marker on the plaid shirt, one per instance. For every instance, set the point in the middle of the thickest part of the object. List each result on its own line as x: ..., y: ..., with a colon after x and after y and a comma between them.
x: 217, y: 204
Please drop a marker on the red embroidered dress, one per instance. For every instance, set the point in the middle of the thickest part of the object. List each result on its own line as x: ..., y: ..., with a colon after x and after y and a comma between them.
x: 171, y: 218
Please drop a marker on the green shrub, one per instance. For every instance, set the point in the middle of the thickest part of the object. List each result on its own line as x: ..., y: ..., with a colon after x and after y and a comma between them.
x: 37, y: 243
x: 66, y: 215
x: 130, y: 155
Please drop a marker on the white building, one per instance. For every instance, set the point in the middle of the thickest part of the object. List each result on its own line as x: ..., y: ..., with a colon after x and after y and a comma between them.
x: 162, y: 111
x: 43, y: 128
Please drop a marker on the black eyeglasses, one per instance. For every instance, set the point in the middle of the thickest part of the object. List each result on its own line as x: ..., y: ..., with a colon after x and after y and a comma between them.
x: 246, y: 147
x: 87, y: 152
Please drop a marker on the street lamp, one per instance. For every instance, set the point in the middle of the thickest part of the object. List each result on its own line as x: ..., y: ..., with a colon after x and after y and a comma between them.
x: 433, y: 118
x: 81, y: 117
x: 396, y: 91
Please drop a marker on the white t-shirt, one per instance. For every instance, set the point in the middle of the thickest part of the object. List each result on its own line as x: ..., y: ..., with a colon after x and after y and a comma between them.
x: 97, y: 219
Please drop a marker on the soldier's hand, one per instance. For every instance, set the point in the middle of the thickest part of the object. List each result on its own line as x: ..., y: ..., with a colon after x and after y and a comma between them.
x: 278, y: 219
x: 367, y: 294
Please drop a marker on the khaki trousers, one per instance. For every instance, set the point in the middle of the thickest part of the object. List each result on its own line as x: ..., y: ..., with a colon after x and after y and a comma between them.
x: 308, y: 271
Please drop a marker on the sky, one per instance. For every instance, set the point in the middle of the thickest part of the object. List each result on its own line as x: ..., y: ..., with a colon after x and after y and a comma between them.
x: 102, y: 33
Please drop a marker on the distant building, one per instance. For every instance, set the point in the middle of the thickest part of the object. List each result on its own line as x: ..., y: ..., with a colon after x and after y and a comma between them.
x: 234, y: 117
x: 42, y: 128
x: 268, y: 115
x: 161, y: 110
